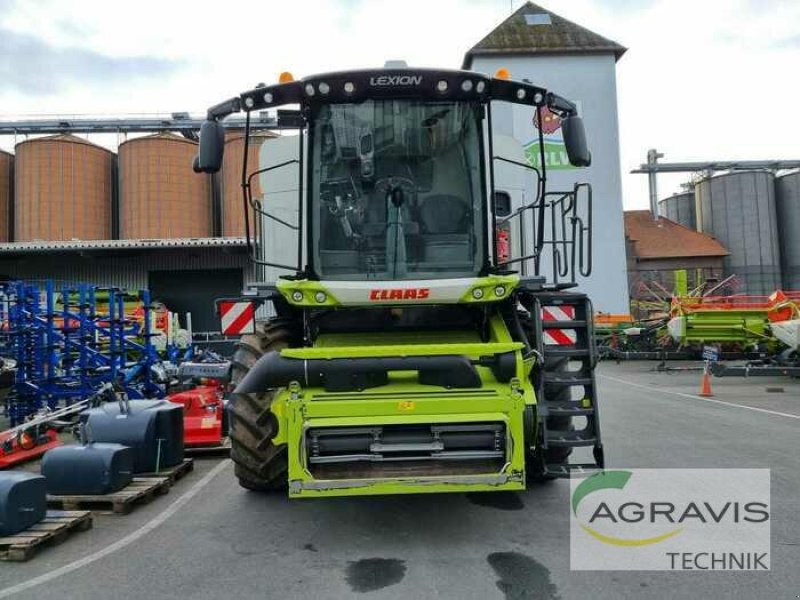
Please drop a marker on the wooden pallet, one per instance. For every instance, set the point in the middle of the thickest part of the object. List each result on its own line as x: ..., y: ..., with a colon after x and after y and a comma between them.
x: 224, y: 449
x: 173, y: 473
x: 54, y: 529
x: 140, y: 491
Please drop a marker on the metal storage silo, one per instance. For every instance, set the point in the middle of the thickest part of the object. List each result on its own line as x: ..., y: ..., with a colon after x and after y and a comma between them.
x: 679, y: 208
x: 788, y: 207
x: 232, y: 210
x: 739, y: 210
x: 62, y: 190
x: 159, y: 194
x: 6, y: 180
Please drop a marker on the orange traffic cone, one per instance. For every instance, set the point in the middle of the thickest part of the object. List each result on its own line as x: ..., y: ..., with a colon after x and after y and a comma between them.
x: 705, y: 387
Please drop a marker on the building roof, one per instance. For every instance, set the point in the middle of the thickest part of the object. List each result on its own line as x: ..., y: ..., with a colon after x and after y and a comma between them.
x: 653, y: 239
x: 532, y: 29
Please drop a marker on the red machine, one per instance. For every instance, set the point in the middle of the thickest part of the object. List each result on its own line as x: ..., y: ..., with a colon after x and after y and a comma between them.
x: 202, y: 415
x: 20, y: 446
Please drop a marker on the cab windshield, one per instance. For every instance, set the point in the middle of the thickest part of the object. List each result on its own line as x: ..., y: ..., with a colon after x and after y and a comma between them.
x: 397, y: 190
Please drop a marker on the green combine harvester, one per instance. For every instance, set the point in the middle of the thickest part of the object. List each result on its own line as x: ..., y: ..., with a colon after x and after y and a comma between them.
x: 407, y: 353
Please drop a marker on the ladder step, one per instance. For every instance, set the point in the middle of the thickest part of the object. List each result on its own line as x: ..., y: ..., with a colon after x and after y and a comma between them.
x: 563, y: 324
x: 570, y: 438
x: 565, y: 351
x: 566, y: 378
x: 568, y: 470
x: 567, y: 409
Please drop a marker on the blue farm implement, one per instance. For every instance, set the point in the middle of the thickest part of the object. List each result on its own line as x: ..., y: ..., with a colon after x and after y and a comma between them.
x: 68, y: 342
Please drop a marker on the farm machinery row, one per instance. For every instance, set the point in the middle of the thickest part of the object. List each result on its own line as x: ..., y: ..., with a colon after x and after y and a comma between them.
x: 61, y: 345
x: 765, y: 330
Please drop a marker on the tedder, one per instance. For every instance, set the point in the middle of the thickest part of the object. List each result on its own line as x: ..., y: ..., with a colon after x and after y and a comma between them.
x: 423, y: 337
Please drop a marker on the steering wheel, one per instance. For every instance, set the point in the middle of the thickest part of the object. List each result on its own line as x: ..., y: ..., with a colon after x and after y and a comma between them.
x: 385, y: 185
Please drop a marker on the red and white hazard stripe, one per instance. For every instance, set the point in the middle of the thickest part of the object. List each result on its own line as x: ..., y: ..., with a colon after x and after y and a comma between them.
x: 237, y: 318
x: 559, y: 337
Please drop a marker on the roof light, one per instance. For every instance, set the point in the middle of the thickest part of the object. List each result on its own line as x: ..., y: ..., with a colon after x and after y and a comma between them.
x: 477, y: 293
x: 249, y: 102
x: 538, y: 98
x: 500, y: 291
x: 268, y: 98
x: 480, y: 87
x: 320, y: 297
x: 349, y: 88
x: 502, y: 73
x: 466, y: 85
x: 285, y: 77
x: 297, y: 296
x: 324, y: 88
x: 520, y: 94
x: 309, y: 89
x: 442, y: 86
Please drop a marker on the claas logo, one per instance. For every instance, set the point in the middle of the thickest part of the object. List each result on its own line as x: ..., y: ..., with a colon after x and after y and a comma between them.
x: 399, y: 294
x: 550, y: 120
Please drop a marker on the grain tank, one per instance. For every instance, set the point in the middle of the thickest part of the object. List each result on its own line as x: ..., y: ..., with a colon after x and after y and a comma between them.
x: 6, y: 180
x: 159, y: 195
x: 62, y: 190
x: 739, y: 210
x: 680, y: 209
x: 788, y: 208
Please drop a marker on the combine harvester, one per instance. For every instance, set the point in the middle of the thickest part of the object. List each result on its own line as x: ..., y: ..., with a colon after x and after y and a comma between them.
x: 407, y: 353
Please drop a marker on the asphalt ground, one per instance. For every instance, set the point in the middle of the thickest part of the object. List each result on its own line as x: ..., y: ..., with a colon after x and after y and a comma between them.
x: 208, y: 538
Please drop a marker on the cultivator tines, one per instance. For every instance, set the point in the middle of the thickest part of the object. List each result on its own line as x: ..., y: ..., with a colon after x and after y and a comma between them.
x: 69, y: 342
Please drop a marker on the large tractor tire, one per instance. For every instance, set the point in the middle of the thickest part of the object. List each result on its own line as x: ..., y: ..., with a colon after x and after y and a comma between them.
x: 260, y: 465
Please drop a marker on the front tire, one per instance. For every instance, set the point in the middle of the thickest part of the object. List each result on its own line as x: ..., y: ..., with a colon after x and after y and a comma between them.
x: 259, y: 464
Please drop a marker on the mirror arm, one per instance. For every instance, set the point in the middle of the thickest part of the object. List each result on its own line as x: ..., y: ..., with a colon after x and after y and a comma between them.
x: 561, y: 106
x: 223, y: 109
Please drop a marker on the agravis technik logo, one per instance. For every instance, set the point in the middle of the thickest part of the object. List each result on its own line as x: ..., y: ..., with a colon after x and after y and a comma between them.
x: 671, y: 519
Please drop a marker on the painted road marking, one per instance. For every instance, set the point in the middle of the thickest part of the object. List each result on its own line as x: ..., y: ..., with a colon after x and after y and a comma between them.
x: 693, y: 397
x: 122, y: 543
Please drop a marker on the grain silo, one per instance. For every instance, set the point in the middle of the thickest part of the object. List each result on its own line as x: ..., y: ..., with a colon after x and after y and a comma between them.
x: 62, y: 190
x: 159, y: 195
x: 679, y: 208
x: 232, y: 208
x: 787, y: 198
x: 6, y: 181
x: 739, y: 210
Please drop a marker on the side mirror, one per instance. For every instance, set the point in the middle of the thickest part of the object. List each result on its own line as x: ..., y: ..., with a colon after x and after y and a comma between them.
x: 212, y: 147
x: 575, y: 141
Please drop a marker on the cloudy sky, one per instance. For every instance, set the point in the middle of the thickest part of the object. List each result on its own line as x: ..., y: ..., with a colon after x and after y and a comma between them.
x: 703, y: 79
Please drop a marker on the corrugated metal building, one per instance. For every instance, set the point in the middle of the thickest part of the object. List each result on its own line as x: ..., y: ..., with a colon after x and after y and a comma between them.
x: 187, y: 275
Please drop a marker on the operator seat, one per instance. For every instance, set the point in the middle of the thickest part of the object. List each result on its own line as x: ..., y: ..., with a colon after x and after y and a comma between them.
x: 446, y: 228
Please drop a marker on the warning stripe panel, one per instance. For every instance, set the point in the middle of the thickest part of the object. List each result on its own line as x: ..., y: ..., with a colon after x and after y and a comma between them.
x: 558, y: 313
x: 559, y: 337
x: 237, y: 318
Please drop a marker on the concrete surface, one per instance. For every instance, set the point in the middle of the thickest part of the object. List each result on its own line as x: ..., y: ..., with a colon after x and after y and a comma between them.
x: 223, y: 542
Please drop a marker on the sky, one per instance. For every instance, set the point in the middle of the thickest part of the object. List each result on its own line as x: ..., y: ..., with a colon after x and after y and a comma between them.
x: 702, y: 79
